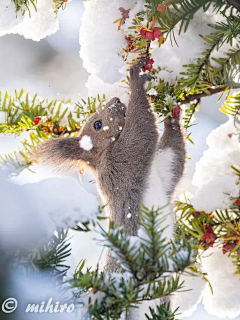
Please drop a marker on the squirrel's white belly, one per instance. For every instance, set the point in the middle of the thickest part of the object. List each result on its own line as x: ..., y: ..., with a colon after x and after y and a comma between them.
x: 156, y: 197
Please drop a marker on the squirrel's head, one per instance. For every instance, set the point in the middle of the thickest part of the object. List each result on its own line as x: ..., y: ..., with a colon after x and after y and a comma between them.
x: 98, y: 134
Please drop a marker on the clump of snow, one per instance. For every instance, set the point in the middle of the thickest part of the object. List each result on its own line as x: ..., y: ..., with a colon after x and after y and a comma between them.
x: 28, y: 226
x: 8, y: 17
x: 86, y: 143
x: 189, y: 297
x: 216, y: 194
x: 152, y: 92
x: 101, y: 46
x: 129, y: 215
x: 224, y: 302
x: 64, y: 200
x: 40, y: 208
x: 3, y: 116
x: 41, y: 24
x: 96, y: 85
x: 105, y: 128
x: 38, y: 291
x: 223, y: 152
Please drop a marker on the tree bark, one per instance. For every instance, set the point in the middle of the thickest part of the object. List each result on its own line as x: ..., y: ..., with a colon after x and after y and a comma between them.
x: 235, y: 4
x: 192, y: 97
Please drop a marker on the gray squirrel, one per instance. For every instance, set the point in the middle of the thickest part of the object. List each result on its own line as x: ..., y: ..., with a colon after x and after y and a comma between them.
x: 120, y: 145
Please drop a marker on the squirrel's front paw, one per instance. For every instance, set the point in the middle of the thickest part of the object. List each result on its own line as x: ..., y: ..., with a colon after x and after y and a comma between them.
x: 137, y: 67
x: 176, y: 117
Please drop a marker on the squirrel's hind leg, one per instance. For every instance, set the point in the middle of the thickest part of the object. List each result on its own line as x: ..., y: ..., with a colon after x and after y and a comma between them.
x: 171, y: 155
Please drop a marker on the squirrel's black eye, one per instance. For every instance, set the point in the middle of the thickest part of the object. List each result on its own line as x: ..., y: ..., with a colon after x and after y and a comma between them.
x: 98, y: 125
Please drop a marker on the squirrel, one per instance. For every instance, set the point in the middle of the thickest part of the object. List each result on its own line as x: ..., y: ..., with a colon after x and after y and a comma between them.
x: 121, y: 146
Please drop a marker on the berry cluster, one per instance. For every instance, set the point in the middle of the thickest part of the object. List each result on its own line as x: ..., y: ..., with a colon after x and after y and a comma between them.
x: 208, y: 238
x: 150, y: 34
x: 49, y: 126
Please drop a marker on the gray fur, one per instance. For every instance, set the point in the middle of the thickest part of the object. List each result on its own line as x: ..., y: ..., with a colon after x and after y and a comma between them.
x: 173, y: 138
x: 121, y: 156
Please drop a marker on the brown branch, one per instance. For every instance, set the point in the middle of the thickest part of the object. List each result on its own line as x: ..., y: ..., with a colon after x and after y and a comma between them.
x: 192, y: 97
x: 235, y: 4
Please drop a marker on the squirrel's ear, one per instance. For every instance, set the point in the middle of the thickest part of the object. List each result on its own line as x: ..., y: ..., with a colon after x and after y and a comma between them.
x: 62, y: 153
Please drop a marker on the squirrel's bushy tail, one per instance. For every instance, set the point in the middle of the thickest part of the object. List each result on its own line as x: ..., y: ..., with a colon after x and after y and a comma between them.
x: 62, y: 154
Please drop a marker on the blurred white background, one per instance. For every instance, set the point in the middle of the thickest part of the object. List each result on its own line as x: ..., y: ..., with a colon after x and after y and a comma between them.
x: 53, y: 69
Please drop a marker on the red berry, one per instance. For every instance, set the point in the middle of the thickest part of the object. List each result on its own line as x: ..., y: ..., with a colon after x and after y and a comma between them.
x: 209, y: 228
x: 36, y: 120
x: 81, y: 171
x: 142, y: 31
x: 209, y: 237
x: 148, y: 65
x: 176, y: 112
x: 149, y: 35
x: 121, y: 9
x: 128, y: 38
x: 125, y: 15
x: 161, y: 8
x: 237, y: 202
x: 230, y: 135
x: 228, y: 247
x: 195, y: 214
x: 157, y: 33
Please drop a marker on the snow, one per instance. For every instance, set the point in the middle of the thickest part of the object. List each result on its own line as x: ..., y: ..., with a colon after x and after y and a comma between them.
x: 41, y: 24
x: 8, y: 18
x: 189, y: 296
x: 36, y: 289
x: 152, y: 92
x: 19, y: 211
x: 224, y: 302
x: 96, y: 85
x: 223, y: 152
x: 101, y: 55
x: 214, y: 175
x: 105, y: 128
x: 46, y: 206
x: 3, y: 116
x: 216, y: 194
x: 86, y: 143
